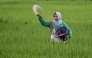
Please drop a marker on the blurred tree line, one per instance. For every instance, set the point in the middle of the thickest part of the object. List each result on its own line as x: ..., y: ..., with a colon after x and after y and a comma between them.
x: 64, y: 0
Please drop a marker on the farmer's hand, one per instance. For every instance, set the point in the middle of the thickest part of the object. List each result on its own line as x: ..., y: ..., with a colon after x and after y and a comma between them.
x: 38, y: 15
x: 67, y: 37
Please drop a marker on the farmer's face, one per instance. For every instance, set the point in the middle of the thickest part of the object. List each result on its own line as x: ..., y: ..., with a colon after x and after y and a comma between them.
x: 55, y: 17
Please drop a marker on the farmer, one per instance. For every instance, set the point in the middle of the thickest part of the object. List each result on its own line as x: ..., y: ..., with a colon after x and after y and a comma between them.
x: 59, y: 29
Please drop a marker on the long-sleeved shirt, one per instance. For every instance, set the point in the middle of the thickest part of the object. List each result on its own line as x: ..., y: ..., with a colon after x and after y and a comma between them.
x: 63, y: 24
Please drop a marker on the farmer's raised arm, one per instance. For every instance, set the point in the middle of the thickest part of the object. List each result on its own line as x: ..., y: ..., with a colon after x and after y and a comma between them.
x: 44, y: 23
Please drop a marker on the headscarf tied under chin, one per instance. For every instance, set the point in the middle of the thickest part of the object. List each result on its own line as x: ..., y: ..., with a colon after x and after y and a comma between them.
x: 59, y: 18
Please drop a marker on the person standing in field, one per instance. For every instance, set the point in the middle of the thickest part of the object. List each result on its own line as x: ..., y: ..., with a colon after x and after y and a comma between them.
x: 60, y: 31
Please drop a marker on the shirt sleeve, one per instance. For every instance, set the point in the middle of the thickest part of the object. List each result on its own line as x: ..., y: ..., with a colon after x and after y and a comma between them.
x: 69, y: 30
x: 44, y: 23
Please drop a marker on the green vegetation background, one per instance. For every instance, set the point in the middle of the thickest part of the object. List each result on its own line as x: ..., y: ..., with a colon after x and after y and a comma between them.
x: 22, y: 35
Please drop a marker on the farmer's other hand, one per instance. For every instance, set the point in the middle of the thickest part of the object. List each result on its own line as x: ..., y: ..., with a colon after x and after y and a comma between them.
x: 67, y: 37
x: 38, y: 15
